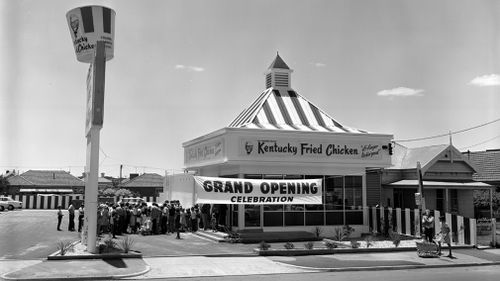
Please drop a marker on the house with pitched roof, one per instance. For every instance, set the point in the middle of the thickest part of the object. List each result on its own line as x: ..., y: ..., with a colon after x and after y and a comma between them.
x: 488, y: 165
x: 45, y: 182
x: 146, y: 185
x: 448, y: 181
x: 283, y: 135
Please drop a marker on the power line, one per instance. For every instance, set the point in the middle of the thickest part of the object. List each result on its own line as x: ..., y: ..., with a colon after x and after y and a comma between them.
x: 483, y: 142
x: 449, y: 133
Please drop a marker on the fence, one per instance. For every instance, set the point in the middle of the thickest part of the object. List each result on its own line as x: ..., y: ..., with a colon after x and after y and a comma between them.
x: 407, y: 222
x: 41, y: 201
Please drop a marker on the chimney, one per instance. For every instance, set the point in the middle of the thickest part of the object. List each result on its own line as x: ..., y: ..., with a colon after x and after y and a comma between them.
x: 102, y: 175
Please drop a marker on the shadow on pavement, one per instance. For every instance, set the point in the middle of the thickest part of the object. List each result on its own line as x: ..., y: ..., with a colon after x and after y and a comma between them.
x: 118, y: 263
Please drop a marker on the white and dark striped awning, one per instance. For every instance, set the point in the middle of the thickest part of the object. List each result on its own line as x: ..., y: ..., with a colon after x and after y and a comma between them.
x: 287, y: 110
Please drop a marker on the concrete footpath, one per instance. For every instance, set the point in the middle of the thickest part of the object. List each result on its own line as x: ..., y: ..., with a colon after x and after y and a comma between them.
x: 199, y: 266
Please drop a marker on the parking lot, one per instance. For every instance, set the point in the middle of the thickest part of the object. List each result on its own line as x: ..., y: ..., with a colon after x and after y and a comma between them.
x: 32, y: 234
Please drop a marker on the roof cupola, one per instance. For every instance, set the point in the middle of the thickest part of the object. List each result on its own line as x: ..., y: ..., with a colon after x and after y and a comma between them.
x: 278, y: 74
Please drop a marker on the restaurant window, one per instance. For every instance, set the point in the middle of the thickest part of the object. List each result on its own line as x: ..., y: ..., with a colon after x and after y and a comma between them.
x: 353, y: 192
x: 334, y: 195
x: 316, y: 207
x: 273, y: 214
x: 296, y: 207
x: 252, y: 212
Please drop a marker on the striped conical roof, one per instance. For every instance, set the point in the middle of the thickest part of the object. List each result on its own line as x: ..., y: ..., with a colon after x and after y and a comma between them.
x: 285, y: 109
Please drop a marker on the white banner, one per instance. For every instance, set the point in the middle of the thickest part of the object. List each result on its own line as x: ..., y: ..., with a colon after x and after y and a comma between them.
x: 261, y: 192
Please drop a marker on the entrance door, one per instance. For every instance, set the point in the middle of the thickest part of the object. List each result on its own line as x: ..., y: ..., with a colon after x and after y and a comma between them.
x: 252, y: 216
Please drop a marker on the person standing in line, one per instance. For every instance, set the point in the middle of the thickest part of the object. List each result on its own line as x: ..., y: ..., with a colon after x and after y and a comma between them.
x: 213, y: 222
x: 428, y: 225
x: 194, y: 220
x: 113, y: 217
x: 81, y: 215
x: 155, y: 218
x: 171, y: 218
x: 177, y: 219
x: 164, y: 219
x: 59, y: 218
x: 105, y: 219
x: 71, y: 210
x: 445, y: 237
x: 205, y: 215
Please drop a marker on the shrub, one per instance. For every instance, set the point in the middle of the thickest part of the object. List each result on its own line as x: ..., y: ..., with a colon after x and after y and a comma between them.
x: 289, y: 245
x: 396, y: 238
x: 340, y: 234
x: 64, y: 247
x: 309, y: 245
x: 369, y: 241
x: 330, y: 245
x: 127, y: 243
x: 107, y: 245
x: 318, y: 231
x: 355, y: 244
x: 264, y: 246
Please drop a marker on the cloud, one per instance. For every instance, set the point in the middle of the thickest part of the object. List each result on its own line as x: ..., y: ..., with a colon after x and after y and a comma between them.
x: 319, y: 64
x: 486, y: 80
x: 400, y: 92
x: 189, y: 68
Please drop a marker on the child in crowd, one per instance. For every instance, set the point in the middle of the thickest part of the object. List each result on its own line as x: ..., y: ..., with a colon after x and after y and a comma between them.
x: 444, y: 237
x: 213, y: 222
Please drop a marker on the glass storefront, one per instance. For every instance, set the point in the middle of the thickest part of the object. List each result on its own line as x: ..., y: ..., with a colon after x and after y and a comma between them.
x: 342, y: 204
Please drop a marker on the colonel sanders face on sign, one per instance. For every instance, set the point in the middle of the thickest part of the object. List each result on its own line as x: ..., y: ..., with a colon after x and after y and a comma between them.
x: 74, y: 23
x: 248, y: 147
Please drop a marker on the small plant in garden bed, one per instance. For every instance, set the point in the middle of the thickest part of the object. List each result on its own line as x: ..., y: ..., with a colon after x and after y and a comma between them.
x: 396, y: 238
x: 343, y: 233
x: 318, y: 231
x: 355, y: 244
x: 127, y: 243
x: 309, y: 245
x: 107, y: 245
x: 289, y: 245
x: 64, y: 247
x: 264, y: 246
x: 369, y: 241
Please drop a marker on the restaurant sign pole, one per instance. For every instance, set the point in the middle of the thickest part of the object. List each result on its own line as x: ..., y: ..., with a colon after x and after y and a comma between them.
x: 92, y: 32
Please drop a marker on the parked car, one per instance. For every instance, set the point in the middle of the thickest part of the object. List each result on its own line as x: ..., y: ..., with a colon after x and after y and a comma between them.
x: 131, y: 200
x: 9, y: 203
x: 3, y: 206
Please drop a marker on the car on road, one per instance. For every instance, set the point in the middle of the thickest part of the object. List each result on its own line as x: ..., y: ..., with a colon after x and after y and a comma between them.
x: 9, y: 203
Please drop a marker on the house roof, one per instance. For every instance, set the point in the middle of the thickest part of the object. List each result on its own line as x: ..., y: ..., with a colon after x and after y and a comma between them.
x: 45, y: 178
x: 278, y: 63
x: 487, y: 163
x: 437, y: 184
x: 406, y: 158
x: 145, y: 180
x: 285, y: 109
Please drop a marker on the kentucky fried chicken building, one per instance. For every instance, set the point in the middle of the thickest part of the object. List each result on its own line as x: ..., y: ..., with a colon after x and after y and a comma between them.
x: 283, y: 136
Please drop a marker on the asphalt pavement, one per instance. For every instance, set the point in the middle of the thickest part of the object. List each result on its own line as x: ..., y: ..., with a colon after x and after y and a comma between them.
x: 210, y: 260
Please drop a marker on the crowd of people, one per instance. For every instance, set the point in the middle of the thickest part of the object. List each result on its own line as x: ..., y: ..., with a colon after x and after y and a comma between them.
x: 128, y: 218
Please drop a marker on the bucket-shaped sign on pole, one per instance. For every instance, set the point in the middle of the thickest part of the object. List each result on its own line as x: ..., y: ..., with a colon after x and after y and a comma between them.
x: 88, y: 25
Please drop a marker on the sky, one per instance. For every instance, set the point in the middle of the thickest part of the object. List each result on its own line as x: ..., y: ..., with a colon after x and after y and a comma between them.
x: 182, y: 69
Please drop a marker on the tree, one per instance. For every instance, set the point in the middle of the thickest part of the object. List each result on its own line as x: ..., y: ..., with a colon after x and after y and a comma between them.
x: 482, y: 199
x: 4, y: 184
x: 120, y: 192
